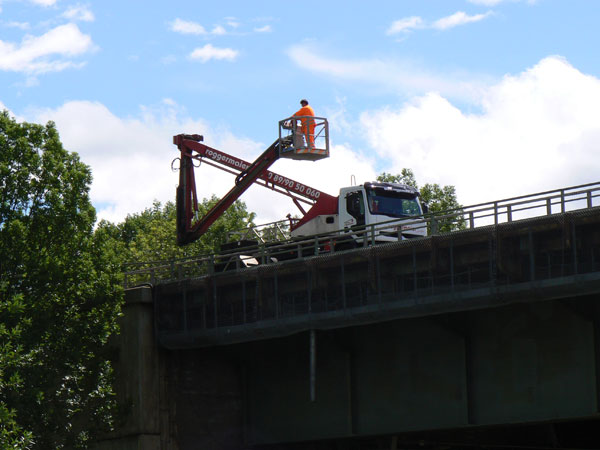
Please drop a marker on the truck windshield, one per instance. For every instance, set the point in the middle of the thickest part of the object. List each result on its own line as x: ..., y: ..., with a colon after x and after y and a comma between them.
x: 392, y: 203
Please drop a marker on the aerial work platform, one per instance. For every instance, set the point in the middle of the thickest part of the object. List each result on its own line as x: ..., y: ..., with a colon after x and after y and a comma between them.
x: 300, y: 138
x: 304, y: 138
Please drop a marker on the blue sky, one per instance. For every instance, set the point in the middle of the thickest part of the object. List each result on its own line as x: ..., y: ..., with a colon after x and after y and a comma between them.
x: 496, y: 97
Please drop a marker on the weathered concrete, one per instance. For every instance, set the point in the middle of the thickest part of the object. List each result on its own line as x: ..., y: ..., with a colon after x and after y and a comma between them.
x: 463, y: 334
x: 204, y: 399
x: 171, y: 400
x: 522, y: 364
x: 137, y: 375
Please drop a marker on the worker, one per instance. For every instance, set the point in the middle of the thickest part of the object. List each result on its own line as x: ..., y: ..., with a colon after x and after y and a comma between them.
x: 307, y: 126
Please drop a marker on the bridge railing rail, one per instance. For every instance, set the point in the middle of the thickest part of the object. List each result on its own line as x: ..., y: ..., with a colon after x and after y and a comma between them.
x: 469, y: 217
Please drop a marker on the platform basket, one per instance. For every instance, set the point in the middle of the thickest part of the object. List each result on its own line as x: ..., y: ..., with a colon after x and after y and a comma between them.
x: 309, y: 143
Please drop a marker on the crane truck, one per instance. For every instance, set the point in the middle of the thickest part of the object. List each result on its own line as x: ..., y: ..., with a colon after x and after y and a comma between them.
x: 396, y: 207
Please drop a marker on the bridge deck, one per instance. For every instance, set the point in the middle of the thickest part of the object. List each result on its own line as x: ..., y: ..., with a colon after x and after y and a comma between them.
x: 536, y: 259
x: 475, y: 337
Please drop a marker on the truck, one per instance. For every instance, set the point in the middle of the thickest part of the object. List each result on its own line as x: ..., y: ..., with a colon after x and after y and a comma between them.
x: 364, y: 214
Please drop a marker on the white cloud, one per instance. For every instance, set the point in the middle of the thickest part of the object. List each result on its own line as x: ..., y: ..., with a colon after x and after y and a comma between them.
x: 186, y: 27
x: 405, y: 24
x: 218, y: 30
x: 50, y: 52
x: 265, y: 29
x: 189, y: 27
x: 20, y: 25
x: 497, y: 2
x: 208, y: 52
x: 44, y: 3
x: 80, y: 13
x: 390, y: 75
x: 538, y: 130
x: 457, y: 19
x: 128, y: 175
x: 486, y: 2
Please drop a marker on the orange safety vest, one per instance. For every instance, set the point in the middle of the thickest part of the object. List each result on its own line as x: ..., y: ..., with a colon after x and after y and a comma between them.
x: 307, y: 111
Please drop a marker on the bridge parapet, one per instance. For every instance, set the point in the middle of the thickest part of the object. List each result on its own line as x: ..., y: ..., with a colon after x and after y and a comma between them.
x: 530, y: 260
x: 509, y: 210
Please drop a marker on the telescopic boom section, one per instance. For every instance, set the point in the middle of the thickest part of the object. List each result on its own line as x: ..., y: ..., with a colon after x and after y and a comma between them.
x: 188, y: 230
x: 190, y: 226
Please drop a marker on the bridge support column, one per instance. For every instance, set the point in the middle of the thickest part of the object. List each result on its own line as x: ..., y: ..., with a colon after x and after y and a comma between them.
x: 137, y: 377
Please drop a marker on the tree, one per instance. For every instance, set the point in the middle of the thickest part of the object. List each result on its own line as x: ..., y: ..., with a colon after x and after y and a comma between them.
x: 441, y: 200
x: 150, y: 236
x: 59, y: 294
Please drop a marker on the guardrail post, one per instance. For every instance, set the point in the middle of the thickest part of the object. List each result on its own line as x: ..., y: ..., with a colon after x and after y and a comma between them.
x: 244, y: 300
x: 313, y: 365
x: 471, y: 220
x: 414, y: 264
x: 434, y: 225
x: 574, y: 245
x: 531, y: 257
x: 343, y: 280
x: 496, y: 213
x: 185, y: 319
x: 215, y: 312
x: 211, y: 265
x: 452, y: 265
x: 378, y: 274
x: 309, y: 289
x: 562, y: 201
x: 492, y: 254
x: 276, y: 289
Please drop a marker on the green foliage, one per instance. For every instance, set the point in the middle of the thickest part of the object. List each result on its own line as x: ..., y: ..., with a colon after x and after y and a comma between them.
x: 58, y: 300
x: 406, y: 176
x: 11, y: 434
x: 151, y: 234
x: 441, y: 200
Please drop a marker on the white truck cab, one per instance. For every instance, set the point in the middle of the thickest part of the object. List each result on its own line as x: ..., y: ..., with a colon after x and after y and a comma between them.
x: 388, y: 206
x: 381, y: 211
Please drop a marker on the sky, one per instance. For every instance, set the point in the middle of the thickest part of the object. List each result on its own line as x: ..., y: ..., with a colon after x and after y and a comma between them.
x: 498, y: 98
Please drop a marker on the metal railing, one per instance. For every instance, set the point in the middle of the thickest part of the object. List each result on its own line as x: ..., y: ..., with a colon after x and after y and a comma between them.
x: 290, y: 133
x: 269, y: 251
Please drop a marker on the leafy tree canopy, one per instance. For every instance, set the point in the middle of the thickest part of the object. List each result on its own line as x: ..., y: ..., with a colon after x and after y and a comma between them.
x: 439, y: 199
x: 58, y: 296
x: 151, y: 235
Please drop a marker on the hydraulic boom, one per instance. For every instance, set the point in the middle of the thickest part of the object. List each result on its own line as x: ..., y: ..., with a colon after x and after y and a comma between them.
x: 190, y: 226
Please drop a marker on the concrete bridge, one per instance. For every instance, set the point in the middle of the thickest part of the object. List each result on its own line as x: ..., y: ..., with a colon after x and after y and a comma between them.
x: 485, y: 337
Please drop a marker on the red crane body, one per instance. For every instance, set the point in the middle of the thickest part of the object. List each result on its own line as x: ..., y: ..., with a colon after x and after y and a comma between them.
x: 190, y: 227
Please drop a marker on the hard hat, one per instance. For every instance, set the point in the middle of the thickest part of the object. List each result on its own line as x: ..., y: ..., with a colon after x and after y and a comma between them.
x: 303, y: 101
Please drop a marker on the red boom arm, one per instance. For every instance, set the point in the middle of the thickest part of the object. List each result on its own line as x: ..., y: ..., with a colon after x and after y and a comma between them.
x: 189, y: 226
